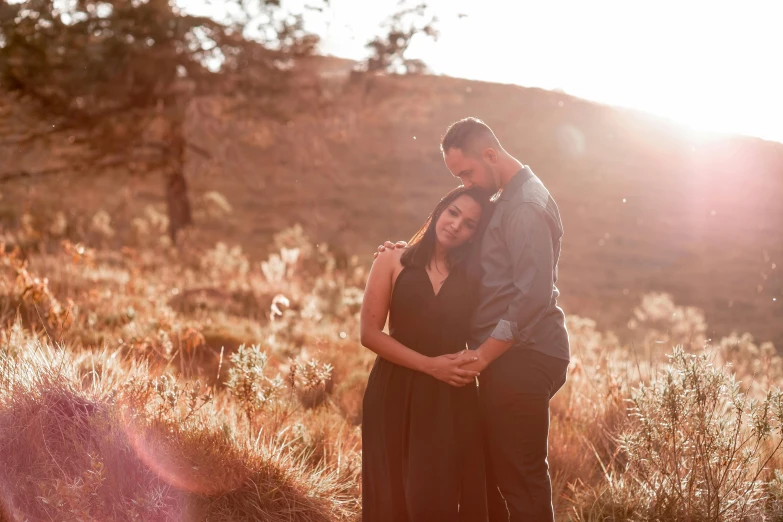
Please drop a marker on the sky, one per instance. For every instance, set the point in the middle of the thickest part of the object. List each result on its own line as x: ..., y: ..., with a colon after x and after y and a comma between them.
x: 712, y: 65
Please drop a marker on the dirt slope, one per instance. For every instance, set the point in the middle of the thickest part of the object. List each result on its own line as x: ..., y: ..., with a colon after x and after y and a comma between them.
x: 646, y: 205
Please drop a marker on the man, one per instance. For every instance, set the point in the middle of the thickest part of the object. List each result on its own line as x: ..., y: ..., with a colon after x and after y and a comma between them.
x: 518, y: 331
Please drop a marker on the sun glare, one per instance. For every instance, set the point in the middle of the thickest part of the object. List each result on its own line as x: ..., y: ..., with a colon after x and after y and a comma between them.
x: 708, y: 65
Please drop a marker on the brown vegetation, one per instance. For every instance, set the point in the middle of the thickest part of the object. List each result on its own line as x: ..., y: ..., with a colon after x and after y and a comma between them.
x: 195, y: 384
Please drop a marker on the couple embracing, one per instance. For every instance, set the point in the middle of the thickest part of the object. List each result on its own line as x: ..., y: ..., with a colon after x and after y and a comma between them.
x: 456, y: 434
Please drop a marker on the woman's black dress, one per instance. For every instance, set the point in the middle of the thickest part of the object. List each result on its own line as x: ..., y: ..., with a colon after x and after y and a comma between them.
x: 421, y: 438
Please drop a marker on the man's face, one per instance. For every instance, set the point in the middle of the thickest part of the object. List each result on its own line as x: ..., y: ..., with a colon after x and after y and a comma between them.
x: 472, y: 171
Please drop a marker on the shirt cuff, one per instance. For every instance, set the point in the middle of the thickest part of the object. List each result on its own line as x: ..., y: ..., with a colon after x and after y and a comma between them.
x: 504, y: 331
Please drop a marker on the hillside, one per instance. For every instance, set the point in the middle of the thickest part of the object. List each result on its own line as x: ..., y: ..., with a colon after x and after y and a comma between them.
x: 646, y: 206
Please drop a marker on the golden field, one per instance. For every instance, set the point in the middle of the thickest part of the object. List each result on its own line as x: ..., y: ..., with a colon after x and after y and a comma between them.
x: 221, y: 377
x: 195, y: 383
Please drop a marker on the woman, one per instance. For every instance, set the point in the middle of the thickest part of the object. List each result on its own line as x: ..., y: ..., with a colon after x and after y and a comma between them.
x: 421, y: 439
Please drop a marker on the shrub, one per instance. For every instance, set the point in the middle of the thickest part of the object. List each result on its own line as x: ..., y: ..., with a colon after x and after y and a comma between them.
x: 697, y: 449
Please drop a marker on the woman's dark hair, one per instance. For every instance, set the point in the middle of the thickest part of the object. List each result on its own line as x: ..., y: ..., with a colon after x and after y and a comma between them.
x: 421, y: 247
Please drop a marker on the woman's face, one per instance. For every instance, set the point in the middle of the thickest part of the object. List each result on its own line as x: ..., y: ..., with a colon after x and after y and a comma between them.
x: 458, y: 222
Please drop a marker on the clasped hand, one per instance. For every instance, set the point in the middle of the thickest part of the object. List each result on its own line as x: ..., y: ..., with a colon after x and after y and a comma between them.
x: 456, y: 369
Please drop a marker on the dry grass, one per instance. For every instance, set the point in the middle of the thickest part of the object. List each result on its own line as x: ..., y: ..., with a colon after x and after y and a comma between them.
x: 195, y: 384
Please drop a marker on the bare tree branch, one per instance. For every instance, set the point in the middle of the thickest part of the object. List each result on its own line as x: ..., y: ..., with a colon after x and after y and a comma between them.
x: 20, y: 174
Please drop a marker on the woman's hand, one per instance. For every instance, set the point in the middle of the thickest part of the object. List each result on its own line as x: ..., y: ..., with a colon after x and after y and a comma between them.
x: 448, y: 368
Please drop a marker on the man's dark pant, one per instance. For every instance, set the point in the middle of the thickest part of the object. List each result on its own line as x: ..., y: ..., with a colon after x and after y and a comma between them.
x: 515, y: 391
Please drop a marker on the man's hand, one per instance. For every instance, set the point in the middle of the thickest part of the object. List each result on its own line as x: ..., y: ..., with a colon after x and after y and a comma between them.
x: 478, y: 365
x: 490, y: 350
x: 389, y: 244
x: 450, y: 368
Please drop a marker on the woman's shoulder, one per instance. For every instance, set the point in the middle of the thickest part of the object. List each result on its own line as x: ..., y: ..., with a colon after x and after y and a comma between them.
x: 391, y: 262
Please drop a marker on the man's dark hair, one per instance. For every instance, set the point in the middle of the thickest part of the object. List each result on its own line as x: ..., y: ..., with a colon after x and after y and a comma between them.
x: 467, y: 135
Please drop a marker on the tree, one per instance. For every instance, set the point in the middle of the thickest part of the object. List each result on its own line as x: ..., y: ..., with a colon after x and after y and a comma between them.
x: 389, y: 49
x: 113, y: 78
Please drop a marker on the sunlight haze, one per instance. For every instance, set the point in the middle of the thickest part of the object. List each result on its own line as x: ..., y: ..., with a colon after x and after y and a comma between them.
x: 713, y: 66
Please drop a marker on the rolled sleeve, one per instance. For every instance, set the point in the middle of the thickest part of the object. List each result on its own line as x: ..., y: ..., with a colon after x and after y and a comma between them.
x: 504, y: 331
x: 529, y: 241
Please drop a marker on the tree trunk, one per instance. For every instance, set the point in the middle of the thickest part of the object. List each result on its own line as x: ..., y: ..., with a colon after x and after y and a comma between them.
x: 177, y: 199
x: 178, y: 203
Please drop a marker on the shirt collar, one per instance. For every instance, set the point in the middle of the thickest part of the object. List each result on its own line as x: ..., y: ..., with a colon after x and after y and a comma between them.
x: 516, y: 182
